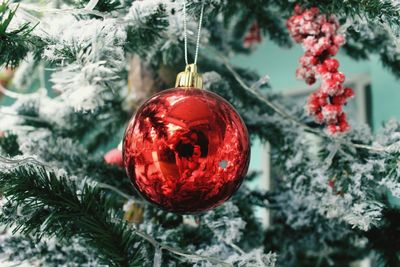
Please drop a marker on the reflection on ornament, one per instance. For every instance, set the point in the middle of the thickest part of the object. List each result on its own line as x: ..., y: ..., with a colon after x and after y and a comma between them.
x: 186, y: 150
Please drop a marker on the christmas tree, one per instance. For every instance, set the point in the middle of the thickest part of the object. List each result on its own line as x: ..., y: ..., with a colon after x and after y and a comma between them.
x: 82, y: 68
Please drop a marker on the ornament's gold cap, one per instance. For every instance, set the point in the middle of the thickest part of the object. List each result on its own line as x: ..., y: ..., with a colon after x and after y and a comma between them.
x: 189, y: 78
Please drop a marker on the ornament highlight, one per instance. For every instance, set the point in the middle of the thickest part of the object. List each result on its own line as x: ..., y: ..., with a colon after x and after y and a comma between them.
x: 320, y: 38
x: 186, y: 150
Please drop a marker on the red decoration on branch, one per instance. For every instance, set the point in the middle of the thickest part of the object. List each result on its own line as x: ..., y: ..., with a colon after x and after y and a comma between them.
x: 253, y: 36
x: 320, y: 38
x: 114, y: 157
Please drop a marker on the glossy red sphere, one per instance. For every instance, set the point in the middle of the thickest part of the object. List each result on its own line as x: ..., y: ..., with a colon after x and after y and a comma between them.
x: 186, y: 150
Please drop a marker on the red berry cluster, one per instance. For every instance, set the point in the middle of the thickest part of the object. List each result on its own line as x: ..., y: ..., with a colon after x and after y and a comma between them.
x: 320, y: 38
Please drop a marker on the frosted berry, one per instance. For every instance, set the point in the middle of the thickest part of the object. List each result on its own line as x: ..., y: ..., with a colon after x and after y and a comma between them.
x: 318, y: 33
x: 331, y: 64
x: 339, y: 77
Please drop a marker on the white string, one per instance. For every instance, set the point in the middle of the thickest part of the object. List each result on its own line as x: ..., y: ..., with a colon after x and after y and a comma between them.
x: 198, y: 33
x: 185, y: 33
x: 21, y: 161
x: 9, y: 93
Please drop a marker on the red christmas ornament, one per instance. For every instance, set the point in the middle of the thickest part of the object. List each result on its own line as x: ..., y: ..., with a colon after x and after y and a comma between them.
x: 186, y: 149
x: 321, y: 41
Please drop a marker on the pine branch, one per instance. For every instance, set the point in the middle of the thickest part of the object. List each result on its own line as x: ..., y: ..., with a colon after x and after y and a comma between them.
x: 270, y: 22
x: 145, y: 32
x: 92, y: 128
x: 14, y: 44
x: 51, y: 206
x: 43, y: 205
x: 9, y: 144
x: 370, y: 9
x: 62, y: 151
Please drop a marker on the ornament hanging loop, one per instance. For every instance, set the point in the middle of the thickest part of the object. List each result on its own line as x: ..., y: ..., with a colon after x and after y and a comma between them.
x: 190, y: 77
x: 198, y: 32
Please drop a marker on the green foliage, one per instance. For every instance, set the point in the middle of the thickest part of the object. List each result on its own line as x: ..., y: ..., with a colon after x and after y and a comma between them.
x: 311, y: 247
x: 371, y: 9
x: 146, y: 31
x: 53, y: 206
x: 254, y: 11
x: 385, y: 238
x: 14, y: 44
x: 9, y: 144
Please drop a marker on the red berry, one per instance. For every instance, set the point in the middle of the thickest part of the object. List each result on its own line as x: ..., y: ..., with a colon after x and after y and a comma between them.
x: 331, y: 64
x: 307, y: 60
x: 321, y: 69
x: 313, y: 108
x: 309, y: 42
x: 314, y: 61
x: 320, y: 46
x: 342, y: 117
x: 330, y: 87
x: 338, y: 76
x: 310, y: 80
x: 320, y: 20
x: 333, y: 50
x: 319, y: 118
x: 328, y: 28
x: 308, y: 15
x: 338, y: 100
x: 344, y: 126
x: 331, y: 113
x: 332, y: 128
x: 339, y: 40
x: 348, y: 92
x: 323, y: 99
